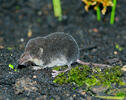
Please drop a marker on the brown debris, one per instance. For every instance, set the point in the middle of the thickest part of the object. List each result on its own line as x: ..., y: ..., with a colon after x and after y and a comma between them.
x: 25, y: 84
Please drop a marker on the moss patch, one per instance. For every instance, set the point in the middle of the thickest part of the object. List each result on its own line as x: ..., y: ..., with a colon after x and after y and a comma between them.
x: 117, y: 92
x: 85, y: 75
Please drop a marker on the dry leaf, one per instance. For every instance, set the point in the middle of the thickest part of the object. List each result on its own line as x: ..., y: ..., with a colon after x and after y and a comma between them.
x: 29, y: 33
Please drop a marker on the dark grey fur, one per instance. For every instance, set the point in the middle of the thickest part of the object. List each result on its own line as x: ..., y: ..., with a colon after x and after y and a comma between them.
x: 54, y: 45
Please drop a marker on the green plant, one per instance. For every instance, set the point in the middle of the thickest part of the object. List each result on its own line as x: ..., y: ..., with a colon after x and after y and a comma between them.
x: 118, y: 47
x: 12, y: 67
x: 98, y: 14
x: 57, y: 9
x: 121, y: 94
x: 111, y: 97
x: 105, y: 4
x: 9, y: 48
x: 113, y: 12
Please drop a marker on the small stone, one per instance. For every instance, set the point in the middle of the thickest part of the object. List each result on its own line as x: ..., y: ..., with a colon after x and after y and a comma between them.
x: 22, y: 40
x: 117, y: 19
x: 89, y: 30
x: 115, y: 52
x: 123, y: 68
x: 34, y: 76
x: 95, y: 30
x: 74, y: 95
x: 82, y: 92
x: 39, y: 13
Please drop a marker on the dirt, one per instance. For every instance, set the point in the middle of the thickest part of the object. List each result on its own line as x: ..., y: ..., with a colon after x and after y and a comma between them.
x: 19, y: 18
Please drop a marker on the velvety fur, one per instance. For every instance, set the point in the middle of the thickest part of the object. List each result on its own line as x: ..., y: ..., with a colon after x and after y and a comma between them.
x: 55, y: 47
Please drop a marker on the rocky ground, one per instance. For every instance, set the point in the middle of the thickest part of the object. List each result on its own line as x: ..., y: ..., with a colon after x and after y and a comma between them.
x: 21, y: 20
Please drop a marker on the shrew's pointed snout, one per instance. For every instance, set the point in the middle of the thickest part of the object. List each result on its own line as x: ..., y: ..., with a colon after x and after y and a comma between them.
x: 25, y: 57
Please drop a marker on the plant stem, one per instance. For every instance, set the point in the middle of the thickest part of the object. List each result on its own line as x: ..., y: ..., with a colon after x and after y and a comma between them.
x: 111, y: 97
x: 98, y: 14
x: 57, y: 9
x: 113, y: 12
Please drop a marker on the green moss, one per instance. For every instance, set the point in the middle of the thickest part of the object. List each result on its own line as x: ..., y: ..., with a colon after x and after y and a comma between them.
x: 110, y: 97
x: 59, y: 68
x: 17, y: 7
x: 38, y: 20
x: 61, y: 80
x: 52, y: 99
x: 110, y: 76
x: 9, y: 48
x: 121, y: 92
x: 117, y: 46
x: 74, y: 88
x: 84, y: 75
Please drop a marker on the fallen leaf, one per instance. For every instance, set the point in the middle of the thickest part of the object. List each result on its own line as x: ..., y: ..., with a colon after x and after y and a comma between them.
x: 29, y: 33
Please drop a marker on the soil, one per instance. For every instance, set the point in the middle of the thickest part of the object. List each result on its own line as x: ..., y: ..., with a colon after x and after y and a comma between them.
x: 20, y: 18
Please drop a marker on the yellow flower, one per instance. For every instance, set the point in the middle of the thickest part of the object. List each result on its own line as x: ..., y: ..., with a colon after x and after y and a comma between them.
x: 96, y: 3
